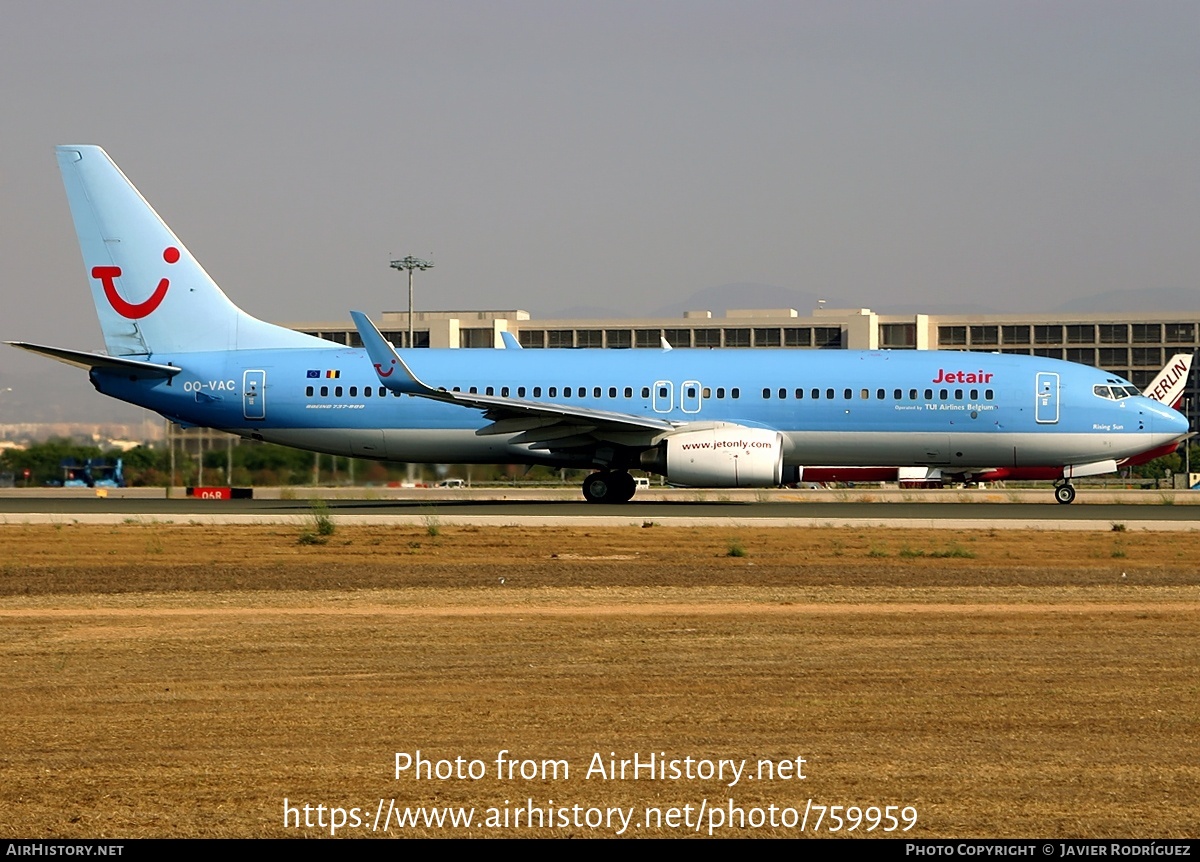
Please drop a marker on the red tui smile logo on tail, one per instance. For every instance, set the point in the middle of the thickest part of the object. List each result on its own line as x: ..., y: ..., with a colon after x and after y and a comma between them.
x: 133, y: 311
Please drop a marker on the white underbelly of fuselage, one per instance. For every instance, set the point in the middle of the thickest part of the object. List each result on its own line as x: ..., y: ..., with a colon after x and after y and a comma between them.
x: 850, y: 448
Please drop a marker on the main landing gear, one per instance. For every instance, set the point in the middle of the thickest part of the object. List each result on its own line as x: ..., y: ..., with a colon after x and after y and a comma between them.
x: 1064, y: 492
x: 609, y: 487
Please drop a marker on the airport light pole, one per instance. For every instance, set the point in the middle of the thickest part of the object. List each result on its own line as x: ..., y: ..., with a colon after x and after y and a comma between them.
x: 410, y: 263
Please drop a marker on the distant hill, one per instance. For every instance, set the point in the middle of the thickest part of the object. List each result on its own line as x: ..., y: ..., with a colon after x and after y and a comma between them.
x: 581, y: 312
x: 746, y: 295
x: 1154, y: 299
x: 719, y: 298
x: 934, y: 308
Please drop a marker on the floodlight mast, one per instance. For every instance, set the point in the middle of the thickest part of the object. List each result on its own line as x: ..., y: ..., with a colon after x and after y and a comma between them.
x: 410, y: 263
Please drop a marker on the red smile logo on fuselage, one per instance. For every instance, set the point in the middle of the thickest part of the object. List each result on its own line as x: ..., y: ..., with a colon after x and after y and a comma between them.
x: 133, y: 311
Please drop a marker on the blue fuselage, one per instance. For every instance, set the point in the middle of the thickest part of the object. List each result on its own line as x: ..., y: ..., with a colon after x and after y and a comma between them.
x: 833, y: 407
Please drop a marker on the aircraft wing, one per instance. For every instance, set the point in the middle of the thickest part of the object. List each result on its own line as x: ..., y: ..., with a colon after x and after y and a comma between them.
x: 89, y: 361
x: 544, y: 426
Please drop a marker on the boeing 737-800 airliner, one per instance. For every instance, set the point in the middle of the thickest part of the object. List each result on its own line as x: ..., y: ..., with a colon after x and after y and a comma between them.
x: 705, y: 418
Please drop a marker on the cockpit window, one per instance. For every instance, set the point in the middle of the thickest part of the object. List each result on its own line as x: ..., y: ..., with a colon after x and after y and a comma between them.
x: 1115, y: 393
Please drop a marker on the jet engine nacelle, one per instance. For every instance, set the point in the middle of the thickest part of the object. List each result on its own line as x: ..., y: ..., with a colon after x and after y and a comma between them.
x: 723, y: 456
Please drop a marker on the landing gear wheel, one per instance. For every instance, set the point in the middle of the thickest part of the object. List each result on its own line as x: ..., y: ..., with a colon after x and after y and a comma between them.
x: 1064, y: 493
x: 623, y: 487
x: 607, y: 487
x: 599, y: 488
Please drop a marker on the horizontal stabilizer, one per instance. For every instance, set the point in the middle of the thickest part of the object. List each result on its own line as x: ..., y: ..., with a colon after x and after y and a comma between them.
x: 90, y: 361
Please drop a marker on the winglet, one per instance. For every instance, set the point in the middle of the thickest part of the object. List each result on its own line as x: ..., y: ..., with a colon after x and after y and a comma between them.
x: 387, y: 362
x: 510, y: 340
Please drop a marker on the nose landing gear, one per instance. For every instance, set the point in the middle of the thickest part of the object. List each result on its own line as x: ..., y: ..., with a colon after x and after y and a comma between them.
x: 1064, y: 492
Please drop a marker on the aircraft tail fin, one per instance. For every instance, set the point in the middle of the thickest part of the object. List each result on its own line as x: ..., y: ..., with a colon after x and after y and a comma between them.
x: 1171, y: 383
x: 152, y: 296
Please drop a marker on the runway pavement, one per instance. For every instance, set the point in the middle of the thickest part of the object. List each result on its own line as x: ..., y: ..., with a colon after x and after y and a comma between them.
x: 1156, y: 513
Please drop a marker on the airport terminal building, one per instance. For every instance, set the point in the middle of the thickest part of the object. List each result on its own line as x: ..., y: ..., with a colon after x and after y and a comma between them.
x: 1134, y: 346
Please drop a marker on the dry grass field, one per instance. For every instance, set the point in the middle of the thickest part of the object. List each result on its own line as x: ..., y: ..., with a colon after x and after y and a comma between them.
x: 182, y: 680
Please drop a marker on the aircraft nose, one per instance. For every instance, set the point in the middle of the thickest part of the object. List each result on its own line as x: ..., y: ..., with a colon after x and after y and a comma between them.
x: 1170, y: 421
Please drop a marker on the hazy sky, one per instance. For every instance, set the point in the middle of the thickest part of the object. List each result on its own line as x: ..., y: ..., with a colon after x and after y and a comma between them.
x: 547, y: 155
